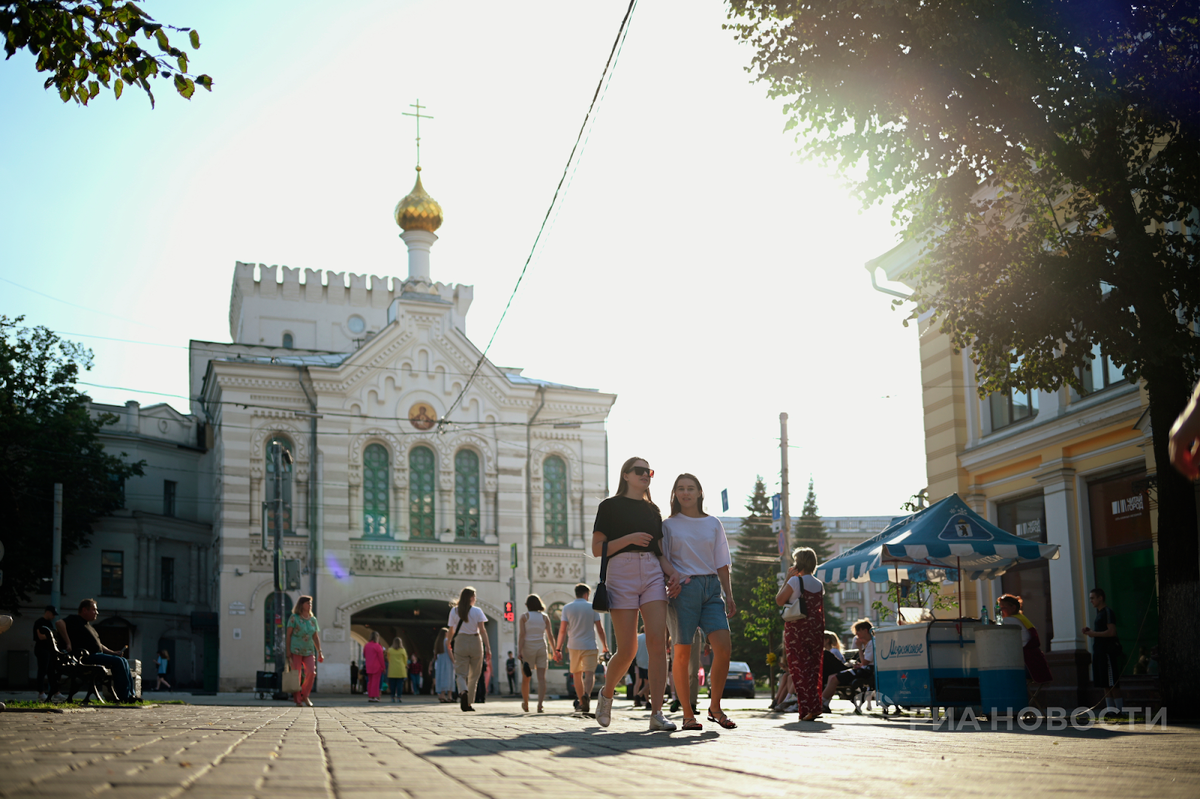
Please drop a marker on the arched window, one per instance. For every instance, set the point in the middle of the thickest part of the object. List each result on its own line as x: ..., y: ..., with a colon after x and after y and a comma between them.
x: 288, y: 341
x: 466, y: 495
x: 554, y: 499
x: 555, y: 614
x: 375, y: 492
x: 278, y: 485
x: 420, y: 493
x: 269, y: 629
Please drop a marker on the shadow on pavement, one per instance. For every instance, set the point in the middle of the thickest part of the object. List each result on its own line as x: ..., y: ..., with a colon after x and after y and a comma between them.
x: 582, y: 743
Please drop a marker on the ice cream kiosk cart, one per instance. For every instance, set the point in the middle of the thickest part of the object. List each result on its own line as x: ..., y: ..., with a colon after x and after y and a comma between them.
x: 943, y: 663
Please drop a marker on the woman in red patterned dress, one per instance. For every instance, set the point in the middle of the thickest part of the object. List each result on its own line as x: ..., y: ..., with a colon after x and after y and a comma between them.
x: 804, y: 640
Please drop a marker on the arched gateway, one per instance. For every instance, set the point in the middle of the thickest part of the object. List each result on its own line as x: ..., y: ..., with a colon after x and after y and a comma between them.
x: 416, y: 615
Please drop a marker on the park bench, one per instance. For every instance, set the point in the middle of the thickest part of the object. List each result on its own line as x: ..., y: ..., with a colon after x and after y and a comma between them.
x: 77, y: 675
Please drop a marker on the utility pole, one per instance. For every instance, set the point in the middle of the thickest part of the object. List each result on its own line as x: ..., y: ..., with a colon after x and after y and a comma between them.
x: 56, y: 566
x: 786, y: 556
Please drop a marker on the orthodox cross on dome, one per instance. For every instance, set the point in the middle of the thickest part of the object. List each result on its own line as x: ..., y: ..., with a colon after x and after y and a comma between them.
x: 419, y: 117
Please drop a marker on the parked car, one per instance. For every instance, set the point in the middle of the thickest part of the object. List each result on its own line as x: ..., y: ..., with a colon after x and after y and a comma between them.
x: 740, y: 681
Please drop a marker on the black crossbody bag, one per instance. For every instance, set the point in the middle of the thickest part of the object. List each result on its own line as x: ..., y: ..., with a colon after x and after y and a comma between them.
x: 600, y: 595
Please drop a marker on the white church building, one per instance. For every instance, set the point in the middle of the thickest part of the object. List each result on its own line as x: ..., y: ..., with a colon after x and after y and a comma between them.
x: 411, y: 475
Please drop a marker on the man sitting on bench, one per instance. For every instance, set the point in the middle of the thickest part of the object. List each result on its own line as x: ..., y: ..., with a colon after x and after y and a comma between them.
x: 84, y: 643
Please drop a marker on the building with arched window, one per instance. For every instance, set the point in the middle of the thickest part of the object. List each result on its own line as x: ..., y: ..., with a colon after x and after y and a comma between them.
x: 407, y: 478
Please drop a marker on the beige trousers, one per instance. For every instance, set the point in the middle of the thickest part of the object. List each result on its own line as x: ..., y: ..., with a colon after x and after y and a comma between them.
x: 468, y: 663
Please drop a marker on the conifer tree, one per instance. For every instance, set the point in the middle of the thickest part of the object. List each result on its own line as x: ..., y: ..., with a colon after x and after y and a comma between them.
x: 809, y: 531
x: 757, y: 555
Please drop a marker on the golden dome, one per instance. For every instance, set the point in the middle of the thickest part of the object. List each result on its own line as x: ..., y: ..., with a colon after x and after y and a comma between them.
x: 419, y: 211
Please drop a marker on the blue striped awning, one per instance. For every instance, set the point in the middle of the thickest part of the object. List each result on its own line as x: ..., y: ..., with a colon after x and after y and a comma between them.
x: 932, y: 543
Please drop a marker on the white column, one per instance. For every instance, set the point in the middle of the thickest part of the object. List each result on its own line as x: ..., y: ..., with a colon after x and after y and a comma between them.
x: 419, y: 242
x: 139, y: 565
x: 151, y: 570
x: 1065, y: 591
x: 193, y: 573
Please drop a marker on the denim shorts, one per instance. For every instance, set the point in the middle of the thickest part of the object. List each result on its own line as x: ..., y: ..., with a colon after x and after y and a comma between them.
x: 699, y: 604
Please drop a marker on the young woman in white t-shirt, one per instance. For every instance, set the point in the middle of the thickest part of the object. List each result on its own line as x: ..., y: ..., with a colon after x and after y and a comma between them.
x: 535, y: 641
x: 467, y: 642
x: 696, y: 546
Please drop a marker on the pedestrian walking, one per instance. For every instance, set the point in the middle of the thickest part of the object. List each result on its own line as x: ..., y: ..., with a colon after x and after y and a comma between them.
x: 161, y: 663
x: 639, y: 581
x: 534, y: 643
x: 416, y: 670
x: 467, y: 641
x: 697, y: 549
x: 804, y: 639
x: 443, y: 667
x: 1106, y: 650
x: 43, y: 651
x: 376, y: 664
x: 581, y: 628
x: 510, y: 671
x: 303, y: 645
x: 397, y: 668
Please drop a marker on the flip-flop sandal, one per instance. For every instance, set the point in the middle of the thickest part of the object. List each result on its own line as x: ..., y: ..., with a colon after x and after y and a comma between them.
x: 691, y: 724
x: 724, y: 721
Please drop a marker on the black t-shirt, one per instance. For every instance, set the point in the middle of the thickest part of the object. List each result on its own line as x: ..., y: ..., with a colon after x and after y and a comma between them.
x: 619, y: 516
x: 46, y: 628
x: 84, y: 638
x: 1104, y: 617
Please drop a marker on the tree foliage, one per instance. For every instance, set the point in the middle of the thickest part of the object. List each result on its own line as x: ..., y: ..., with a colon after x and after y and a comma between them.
x: 1047, y: 155
x: 809, y: 531
x: 84, y: 45
x: 918, y: 594
x: 757, y: 557
x: 47, y: 436
x: 764, y: 624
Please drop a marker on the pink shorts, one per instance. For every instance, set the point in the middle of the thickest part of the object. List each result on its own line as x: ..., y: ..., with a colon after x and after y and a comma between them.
x: 633, y: 579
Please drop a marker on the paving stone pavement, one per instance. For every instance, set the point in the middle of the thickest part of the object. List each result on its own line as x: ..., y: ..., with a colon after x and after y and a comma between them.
x: 345, y: 748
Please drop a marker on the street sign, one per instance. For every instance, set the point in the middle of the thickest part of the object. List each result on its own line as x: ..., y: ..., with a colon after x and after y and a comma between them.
x: 777, y: 525
x: 513, y: 553
x: 776, y: 506
x: 724, y: 500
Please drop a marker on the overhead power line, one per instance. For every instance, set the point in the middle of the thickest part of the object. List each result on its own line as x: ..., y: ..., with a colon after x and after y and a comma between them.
x: 610, y: 63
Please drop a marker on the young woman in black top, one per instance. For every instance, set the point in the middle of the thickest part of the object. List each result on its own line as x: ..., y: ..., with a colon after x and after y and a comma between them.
x: 639, y: 579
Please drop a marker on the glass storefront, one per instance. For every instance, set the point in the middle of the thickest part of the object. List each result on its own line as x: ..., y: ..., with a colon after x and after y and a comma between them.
x: 1031, y: 581
x: 1123, y: 561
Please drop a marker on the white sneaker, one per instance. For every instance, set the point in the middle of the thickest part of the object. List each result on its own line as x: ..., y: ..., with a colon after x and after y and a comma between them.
x: 59, y: 698
x: 604, y: 710
x: 659, y: 722
x: 41, y: 698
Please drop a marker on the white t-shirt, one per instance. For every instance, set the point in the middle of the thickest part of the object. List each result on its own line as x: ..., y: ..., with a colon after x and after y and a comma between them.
x: 695, y: 546
x: 1024, y: 632
x: 811, y: 584
x: 474, y: 623
x: 866, y: 653
x: 581, y: 621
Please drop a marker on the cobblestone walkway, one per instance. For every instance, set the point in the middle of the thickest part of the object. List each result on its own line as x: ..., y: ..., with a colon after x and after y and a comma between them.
x: 350, y: 750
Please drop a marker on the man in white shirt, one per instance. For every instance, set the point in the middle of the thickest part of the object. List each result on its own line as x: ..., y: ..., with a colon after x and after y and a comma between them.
x: 580, y: 627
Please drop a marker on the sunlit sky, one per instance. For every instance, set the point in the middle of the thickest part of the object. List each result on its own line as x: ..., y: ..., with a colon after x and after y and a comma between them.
x: 695, y: 266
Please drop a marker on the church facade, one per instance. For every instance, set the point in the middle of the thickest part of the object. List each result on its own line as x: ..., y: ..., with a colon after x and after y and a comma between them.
x: 354, y: 414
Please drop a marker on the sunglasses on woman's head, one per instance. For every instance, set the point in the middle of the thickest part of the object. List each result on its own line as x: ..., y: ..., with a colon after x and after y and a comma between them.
x: 642, y: 471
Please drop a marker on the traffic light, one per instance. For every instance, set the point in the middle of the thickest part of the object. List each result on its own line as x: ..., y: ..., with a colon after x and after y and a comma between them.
x: 508, y: 611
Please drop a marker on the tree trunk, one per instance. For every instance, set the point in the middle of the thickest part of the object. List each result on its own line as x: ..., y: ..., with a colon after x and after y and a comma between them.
x: 1178, y: 552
